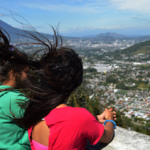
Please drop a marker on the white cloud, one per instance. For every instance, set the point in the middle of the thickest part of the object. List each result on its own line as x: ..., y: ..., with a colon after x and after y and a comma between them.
x: 91, y: 28
x: 84, y: 8
x: 142, y: 6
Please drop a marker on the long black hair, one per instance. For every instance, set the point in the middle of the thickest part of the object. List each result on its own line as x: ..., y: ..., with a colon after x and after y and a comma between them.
x: 11, y: 59
x: 59, y: 73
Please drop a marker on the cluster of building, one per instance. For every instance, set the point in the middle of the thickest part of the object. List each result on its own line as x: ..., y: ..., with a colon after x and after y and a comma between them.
x: 104, y: 43
x: 135, y: 76
x: 127, y: 70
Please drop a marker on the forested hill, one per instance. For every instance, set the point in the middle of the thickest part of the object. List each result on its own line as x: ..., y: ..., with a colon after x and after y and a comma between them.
x: 140, y: 48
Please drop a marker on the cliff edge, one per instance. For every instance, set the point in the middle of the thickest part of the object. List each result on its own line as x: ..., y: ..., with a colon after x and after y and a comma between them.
x: 129, y: 140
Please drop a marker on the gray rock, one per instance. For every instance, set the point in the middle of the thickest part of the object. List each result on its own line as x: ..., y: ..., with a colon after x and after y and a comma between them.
x: 129, y: 140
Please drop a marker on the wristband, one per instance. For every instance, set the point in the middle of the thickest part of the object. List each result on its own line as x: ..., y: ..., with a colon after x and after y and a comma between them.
x: 110, y: 121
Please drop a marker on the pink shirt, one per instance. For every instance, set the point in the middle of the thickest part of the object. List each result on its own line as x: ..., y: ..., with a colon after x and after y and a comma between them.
x: 70, y: 127
x: 38, y: 146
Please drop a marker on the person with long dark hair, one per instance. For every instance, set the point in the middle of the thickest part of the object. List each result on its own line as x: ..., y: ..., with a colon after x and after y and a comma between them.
x: 13, y: 74
x: 51, y: 124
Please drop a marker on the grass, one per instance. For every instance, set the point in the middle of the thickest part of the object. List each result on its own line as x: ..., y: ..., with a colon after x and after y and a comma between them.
x: 122, y: 92
x: 143, y: 86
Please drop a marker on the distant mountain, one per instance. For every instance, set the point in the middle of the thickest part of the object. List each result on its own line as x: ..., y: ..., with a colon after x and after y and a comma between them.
x: 114, y: 35
x: 15, y: 32
x: 104, y: 35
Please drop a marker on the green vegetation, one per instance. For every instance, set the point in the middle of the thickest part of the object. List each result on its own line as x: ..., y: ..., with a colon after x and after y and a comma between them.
x: 111, y: 79
x: 137, y: 48
x: 144, y: 67
x: 143, y: 86
x: 141, y: 48
x: 127, y: 123
x: 90, y: 70
x: 80, y: 98
x: 148, y: 75
x: 122, y: 92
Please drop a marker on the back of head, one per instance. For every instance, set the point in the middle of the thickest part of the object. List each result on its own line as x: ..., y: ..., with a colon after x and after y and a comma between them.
x: 62, y: 70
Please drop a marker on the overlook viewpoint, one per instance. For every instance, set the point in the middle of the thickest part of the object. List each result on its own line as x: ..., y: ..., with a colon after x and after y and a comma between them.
x: 115, y: 67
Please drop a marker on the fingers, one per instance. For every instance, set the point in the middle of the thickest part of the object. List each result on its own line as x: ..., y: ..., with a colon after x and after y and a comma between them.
x: 111, y: 110
x: 106, y: 109
x: 114, y: 117
x: 113, y: 113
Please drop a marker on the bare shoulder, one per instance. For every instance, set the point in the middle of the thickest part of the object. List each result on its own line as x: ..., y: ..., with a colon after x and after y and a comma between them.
x: 41, y: 132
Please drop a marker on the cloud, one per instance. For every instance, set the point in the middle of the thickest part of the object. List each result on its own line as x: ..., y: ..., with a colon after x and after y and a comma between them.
x: 137, y: 18
x: 142, y: 6
x: 77, y: 31
x: 90, y: 28
x: 69, y: 8
x: 2, y: 15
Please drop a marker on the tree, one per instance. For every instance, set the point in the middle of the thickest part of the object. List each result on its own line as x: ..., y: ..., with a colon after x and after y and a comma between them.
x: 90, y: 70
x: 148, y: 75
x: 80, y: 98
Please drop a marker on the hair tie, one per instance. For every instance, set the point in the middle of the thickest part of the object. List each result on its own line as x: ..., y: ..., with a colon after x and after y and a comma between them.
x: 11, y: 47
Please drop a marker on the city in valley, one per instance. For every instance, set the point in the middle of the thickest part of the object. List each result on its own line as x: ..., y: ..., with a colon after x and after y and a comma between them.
x: 117, y: 69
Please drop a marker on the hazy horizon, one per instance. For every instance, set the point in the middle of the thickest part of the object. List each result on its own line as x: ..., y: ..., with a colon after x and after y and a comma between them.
x: 80, y: 17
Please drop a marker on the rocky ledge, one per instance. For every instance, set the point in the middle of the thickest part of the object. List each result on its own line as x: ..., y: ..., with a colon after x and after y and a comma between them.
x: 129, y: 140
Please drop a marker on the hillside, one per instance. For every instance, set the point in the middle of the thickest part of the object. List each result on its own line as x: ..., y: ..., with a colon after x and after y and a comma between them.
x: 140, y: 48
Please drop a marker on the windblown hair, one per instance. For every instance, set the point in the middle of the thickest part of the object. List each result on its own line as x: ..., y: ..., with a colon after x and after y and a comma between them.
x: 59, y: 73
x: 10, y: 58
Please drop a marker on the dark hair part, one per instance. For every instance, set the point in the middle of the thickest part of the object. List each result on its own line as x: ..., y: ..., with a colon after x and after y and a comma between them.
x: 60, y: 73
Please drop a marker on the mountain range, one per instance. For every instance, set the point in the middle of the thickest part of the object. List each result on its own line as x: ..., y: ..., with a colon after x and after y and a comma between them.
x: 15, y: 33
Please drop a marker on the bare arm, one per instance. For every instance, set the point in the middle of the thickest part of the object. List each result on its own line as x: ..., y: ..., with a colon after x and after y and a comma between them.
x: 109, y: 127
x: 108, y: 133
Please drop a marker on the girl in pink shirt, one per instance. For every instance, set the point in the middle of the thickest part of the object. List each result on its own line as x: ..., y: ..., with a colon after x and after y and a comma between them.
x: 51, y: 124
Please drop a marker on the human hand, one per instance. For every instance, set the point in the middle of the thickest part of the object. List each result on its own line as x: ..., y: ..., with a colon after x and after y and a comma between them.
x: 101, y: 117
x: 114, y: 114
x: 107, y: 114
x: 110, y: 114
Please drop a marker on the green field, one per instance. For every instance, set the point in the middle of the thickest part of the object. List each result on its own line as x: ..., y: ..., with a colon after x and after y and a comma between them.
x: 122, y: 92
x: 143, y: 86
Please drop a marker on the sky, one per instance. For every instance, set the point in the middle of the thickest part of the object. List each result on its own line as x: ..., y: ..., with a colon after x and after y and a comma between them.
x: 79, y: 17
